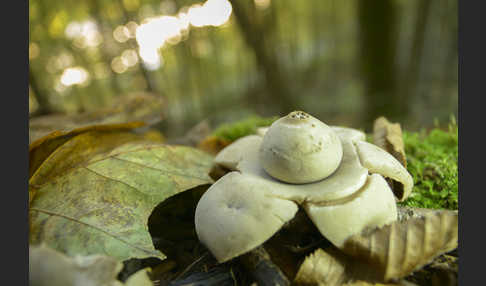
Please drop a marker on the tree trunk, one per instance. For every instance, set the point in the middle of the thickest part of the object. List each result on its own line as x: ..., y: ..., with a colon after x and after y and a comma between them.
x: 412, y: 76
x: 276, y: 83
x: 377, y: 32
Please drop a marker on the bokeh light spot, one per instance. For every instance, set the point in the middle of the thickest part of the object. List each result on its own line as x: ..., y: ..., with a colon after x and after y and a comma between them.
x: 121, y: 34
x: 118, y: 66
x: 155, y: 32
x: 74, y: 75
x: 129, y: 57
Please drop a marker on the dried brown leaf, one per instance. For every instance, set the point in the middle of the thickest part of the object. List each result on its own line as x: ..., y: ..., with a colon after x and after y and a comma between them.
x: 405, y: 213
x: 388, y: 136
x: 323, y: 268
x: 443, y: 271
x: 380, y: 255
x: 332, y: 267
x: 398, y: 249
x: 144, y: 108
x: 365, y: 283
x: 213, y: 144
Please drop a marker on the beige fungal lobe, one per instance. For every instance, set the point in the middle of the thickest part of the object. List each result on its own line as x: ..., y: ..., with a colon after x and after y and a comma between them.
x: 377, y: 160
x: 299, y: 148
x: 234, y: 153
x: 235, y: 215
x: 373, y: 206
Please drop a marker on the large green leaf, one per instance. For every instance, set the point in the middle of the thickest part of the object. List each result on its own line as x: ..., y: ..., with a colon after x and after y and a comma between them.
x: 101, y: 205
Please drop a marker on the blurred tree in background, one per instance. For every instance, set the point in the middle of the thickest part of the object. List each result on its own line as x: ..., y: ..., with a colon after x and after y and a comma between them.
x: 346, y: 62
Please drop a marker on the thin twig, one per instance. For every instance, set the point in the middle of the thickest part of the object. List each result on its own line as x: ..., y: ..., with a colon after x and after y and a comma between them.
x: 191, y: 265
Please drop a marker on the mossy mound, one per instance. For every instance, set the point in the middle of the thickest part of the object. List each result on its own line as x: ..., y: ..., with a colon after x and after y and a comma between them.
x: 432, y: 161
x: 232, y: 131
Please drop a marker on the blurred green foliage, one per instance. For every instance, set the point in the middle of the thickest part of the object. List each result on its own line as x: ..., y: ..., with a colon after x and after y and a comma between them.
x: 270, y: 57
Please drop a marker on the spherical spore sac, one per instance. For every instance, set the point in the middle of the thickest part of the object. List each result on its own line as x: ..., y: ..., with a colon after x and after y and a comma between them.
x: 299, y: 148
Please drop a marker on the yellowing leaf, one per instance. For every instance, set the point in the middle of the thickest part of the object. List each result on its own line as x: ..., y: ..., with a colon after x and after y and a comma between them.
x: 77, y: 147
x: 98, y: 201
x: 41, y: 149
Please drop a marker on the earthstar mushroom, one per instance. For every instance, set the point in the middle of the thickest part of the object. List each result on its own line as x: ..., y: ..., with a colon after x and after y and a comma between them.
x: 330, y: 171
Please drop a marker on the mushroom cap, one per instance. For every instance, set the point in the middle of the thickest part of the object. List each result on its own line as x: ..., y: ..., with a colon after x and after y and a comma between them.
x: 235, y: 215
x: 299, y: 148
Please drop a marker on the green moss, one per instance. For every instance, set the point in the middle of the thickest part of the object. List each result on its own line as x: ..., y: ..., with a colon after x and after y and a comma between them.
x: 247, y: 126
x: 432, y: 161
